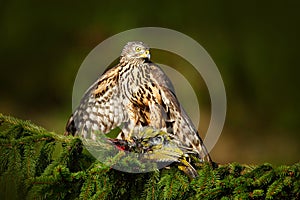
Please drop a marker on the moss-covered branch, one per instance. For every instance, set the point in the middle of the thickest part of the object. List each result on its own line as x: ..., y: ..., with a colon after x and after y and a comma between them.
x: 38, y: 164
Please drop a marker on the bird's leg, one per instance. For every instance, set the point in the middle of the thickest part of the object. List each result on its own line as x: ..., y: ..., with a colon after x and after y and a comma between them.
x: 157, y: 118
x: 133, y: 119
x: 187, y: 168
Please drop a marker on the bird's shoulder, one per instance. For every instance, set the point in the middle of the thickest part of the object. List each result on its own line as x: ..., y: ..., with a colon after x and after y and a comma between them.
x: 159, y: 77
x: 108, y: 80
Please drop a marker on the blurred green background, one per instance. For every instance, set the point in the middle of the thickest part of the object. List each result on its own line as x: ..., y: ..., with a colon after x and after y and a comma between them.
x: 254, y: 44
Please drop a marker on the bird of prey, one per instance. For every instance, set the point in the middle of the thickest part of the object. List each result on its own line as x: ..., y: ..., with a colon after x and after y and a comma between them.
x: 135, y: 94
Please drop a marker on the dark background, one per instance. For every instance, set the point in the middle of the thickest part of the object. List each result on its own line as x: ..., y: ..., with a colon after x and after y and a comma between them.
x: 254, y: 44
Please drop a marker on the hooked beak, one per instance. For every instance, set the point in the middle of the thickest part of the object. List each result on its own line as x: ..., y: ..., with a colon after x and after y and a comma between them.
x: 146, y: 54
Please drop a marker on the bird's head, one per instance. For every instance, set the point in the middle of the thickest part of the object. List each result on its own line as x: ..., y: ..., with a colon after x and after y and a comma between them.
x: 136, y: 50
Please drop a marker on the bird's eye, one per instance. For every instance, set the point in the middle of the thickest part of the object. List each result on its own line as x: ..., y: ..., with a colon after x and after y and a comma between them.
x: 138, y: 49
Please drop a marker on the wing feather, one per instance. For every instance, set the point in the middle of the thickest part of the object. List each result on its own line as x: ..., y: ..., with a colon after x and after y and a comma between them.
x: 100, y: 108
x: 177, y: 121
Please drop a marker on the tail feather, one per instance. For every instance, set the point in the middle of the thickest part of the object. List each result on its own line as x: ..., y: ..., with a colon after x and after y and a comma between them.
x: 70, y: 127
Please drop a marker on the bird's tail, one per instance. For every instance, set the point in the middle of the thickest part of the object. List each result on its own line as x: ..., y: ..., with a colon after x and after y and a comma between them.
x: 70, y: 127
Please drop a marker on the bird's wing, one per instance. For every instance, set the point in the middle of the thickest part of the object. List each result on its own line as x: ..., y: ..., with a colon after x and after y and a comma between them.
x: 100, y: 108
x: 177, y: 121
x: 161, y: 78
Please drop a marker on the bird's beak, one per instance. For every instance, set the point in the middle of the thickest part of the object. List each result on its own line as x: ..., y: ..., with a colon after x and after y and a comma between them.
x: 146, y: 54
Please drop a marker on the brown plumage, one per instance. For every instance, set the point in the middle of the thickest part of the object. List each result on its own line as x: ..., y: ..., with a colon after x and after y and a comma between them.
x: 133, y: 95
